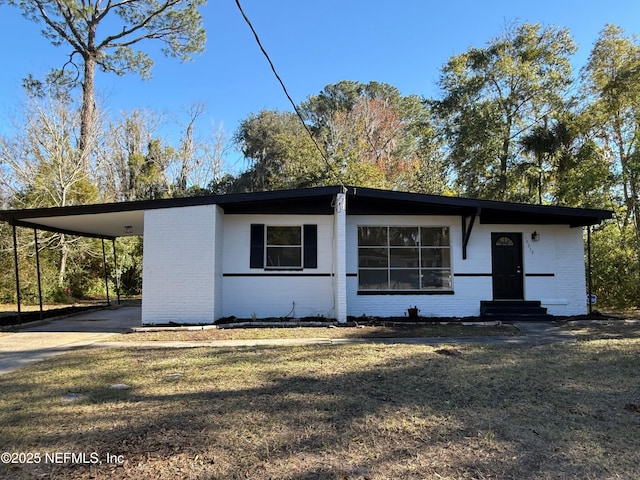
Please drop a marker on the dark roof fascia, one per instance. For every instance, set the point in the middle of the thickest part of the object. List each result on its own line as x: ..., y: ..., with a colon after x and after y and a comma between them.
x: 316, y: 200
x: 8, y: 215
x: 232, y: 199
x: 307, y: 200
x: 490, y: 210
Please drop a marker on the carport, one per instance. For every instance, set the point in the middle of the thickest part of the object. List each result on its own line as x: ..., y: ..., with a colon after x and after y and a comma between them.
x: 106, y: 222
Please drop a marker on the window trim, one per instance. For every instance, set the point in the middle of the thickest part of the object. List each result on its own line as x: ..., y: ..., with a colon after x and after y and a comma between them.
x: 389, y: 267
x: 299, y: 247
x: 258, y: 247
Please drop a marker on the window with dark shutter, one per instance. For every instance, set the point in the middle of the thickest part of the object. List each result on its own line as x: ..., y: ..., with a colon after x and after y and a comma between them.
x: 310, y: 246
x: 256, y: 255
x: 284, y: 247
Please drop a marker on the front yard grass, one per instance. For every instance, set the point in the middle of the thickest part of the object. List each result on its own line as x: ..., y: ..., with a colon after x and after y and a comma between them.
x: 376, y: 412
x: 417, y: 331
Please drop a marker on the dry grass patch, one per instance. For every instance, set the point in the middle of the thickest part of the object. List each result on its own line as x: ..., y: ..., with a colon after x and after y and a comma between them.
x: 604, y: 330
x: 331, y: 412
x: 418, y: 331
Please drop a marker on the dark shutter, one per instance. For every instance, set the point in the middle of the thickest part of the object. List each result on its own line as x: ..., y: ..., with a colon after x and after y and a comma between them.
x: 310, y: 246
x: 256, y: 259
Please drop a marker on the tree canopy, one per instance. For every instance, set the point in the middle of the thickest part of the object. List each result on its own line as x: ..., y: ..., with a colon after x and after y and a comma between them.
x: 363, y: 134
x: 107, y: 36
x: 492, y: 96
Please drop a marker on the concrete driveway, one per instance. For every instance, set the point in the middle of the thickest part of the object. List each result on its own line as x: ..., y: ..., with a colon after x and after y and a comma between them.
x: 45, y: 339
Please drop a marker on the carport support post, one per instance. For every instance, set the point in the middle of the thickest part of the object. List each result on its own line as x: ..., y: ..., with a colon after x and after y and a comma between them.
x: 15, y: 259
x: 589, y: 269
x: 115, y: 264
x: 35, y: 238
x: 106, y: 278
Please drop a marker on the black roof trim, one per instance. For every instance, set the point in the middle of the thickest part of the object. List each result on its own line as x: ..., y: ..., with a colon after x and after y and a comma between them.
x: 492, y: 211
x: 222, y: 200
x: 318, y: 200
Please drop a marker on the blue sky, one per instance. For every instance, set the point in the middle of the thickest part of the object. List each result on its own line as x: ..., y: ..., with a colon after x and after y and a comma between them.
x: 403, y: 43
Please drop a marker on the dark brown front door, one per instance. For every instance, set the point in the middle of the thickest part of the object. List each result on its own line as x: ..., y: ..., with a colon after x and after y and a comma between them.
x: 506, y: 264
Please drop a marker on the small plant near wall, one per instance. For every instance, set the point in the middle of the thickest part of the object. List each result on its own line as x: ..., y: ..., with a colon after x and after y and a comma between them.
x: 413, y: 312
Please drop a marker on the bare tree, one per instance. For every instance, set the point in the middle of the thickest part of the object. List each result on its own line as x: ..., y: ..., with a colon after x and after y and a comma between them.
x: 41, y: 168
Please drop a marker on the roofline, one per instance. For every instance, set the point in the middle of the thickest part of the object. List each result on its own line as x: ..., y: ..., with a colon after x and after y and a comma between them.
x: 128, y: 206
x: 466, y: 206
x: 473, y: 204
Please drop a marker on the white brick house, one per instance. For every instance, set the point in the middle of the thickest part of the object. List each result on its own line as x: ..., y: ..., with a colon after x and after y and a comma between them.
x: 339, y: 252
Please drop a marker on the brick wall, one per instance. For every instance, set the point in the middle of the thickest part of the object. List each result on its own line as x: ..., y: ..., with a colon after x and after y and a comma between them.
x: 196, y: 269
x: 179, y: 265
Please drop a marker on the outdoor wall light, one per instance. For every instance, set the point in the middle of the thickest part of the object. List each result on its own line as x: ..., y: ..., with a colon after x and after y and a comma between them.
x: 128, y: 229
x: 535, y: 236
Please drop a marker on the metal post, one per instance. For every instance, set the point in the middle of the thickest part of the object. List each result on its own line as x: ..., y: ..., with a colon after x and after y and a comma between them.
x: 589, y: 269
x: 15, y: 259
x: 115, y: 265
x: 35, y: 237
x: 106, y: 278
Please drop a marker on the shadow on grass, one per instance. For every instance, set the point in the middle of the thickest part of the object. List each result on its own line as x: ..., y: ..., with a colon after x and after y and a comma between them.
x: 332, y: 412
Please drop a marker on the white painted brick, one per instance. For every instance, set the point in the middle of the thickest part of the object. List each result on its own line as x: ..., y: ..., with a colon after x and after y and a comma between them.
x: 179, y: 265
x: 245, y: 293
x: 196, y: 268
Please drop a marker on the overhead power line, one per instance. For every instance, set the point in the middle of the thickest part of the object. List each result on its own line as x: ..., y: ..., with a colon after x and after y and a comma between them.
x: 284, y: 88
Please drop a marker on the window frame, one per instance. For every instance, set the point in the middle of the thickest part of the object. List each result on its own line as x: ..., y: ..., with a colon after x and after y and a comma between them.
x: 398, y: 242
x: 299, y: 247
x: 258, y: 247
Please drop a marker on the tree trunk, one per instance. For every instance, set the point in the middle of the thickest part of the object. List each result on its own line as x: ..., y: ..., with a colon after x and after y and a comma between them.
x: 504, y: 157
x: 87, y: 112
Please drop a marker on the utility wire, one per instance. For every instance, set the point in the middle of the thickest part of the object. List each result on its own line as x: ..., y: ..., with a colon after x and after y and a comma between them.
x: 284, y: 88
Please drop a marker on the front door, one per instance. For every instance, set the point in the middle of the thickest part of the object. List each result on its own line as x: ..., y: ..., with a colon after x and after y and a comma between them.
x: 506, y: 264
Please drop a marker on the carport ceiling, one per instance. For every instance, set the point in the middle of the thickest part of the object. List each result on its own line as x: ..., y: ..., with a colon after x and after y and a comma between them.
x: 101, y: 225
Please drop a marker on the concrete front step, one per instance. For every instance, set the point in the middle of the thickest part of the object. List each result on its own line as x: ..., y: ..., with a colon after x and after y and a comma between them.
x: 514, y: 310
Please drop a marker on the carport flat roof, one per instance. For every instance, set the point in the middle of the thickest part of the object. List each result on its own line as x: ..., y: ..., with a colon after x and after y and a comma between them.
x: 112, y: 220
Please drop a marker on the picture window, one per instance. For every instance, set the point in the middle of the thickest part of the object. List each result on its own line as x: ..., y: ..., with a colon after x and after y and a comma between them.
x: 404, y: 258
